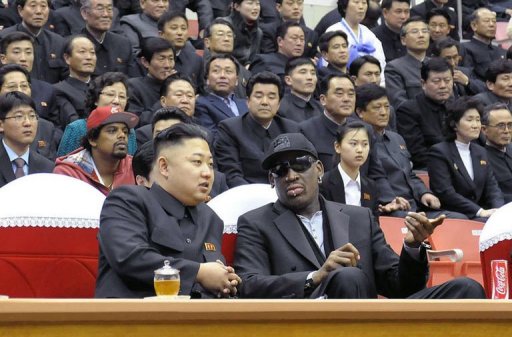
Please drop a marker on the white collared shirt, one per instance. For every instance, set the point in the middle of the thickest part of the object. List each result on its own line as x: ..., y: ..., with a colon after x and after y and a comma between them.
x: 465, y: 155
x: 352, y: 188
x: 315, y: 228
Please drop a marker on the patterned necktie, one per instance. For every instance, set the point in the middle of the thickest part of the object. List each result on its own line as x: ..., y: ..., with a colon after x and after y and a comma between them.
x: 19, y: 162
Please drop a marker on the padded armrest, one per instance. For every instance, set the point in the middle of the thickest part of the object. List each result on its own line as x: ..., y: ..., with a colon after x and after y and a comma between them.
x: 455, y: 255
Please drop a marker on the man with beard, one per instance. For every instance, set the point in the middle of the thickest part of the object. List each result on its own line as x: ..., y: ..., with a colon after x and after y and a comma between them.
x: 102, y: 161
x: 303, y: 246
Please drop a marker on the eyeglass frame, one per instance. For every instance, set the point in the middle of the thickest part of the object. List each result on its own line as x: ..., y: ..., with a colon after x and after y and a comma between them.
x: 502, y: 126
x: 32, y: 117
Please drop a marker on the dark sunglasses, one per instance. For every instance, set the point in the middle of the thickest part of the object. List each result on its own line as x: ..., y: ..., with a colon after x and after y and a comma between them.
x: 299, y: 165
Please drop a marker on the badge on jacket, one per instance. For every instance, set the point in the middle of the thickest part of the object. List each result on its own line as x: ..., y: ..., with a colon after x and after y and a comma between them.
x: 483, y: 162
x: 366, y: 196
x: 210, y: 247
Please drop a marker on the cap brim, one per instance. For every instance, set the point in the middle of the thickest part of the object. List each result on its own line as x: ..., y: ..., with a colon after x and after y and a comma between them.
x: 131, y: 120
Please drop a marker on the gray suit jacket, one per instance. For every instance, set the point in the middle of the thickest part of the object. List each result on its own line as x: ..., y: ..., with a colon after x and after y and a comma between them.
x: 403, y: 79
x: 274, y: 257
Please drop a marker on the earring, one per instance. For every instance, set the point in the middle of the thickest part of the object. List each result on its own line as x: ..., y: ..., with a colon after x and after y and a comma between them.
x: 320, y: 179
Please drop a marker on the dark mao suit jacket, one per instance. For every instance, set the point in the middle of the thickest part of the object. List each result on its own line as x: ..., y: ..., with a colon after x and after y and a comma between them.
x: 451, y: 183
x: 140, y: 228
x: 274, y: 257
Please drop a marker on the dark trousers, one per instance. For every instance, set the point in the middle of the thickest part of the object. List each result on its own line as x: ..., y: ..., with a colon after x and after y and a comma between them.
x: 351, y: 282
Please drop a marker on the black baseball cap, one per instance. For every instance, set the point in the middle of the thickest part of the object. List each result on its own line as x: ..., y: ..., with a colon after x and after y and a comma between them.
x: 287, y: 142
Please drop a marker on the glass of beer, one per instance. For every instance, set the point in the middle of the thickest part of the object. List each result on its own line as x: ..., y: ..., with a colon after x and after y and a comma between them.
x: 167, y: 280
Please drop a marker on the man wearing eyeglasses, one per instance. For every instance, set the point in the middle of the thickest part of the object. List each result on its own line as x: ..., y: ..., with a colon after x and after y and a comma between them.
x: 18, y: 124
x: 303, y: 246
x: 497, y: 126
x: 14, y: 77
x: 402, y: 75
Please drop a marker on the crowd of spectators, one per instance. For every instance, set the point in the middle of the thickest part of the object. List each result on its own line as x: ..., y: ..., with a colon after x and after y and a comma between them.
x: 256, y: 70
x: 381, y: 89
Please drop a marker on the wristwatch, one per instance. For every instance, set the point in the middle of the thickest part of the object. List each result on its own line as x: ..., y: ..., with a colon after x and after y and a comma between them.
x: 309, y: 285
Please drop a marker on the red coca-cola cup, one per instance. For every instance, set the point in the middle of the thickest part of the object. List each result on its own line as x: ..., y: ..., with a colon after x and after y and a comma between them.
x: 499, y: 271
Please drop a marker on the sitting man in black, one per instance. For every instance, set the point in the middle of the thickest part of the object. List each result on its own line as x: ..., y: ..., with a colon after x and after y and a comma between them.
x: 303, y: 246
x: 141, y: 227
x: 497, y: 125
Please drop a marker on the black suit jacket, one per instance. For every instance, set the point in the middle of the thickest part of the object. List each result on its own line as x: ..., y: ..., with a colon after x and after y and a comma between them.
x: 189, y: 64
x: 450, y: 180
x: 143, y: 227
x: 501, y: 163
x: 71, y: 95
x: 324, y: 72
x: 333, y: 189
x: 420, y: 121
x: 269, y: 41
x: 47, y: 139
x: 321, y: 131
x: 273, y: 62
x: 48, y: 64
x: 36, y: 164
x: 144, y: 93
x: 274, y: 257
x: 203, y: 8
x: 211, y: 110
x: 479, y: 55
x: 426, y: 6
x: 391, y: 43
x: 241, y: 144
x: 113, y: 54
x: 295, y: 108
x: 44, y: 97
x: 488, y: 97
x: 69, y: 21
x: 474, y: 86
